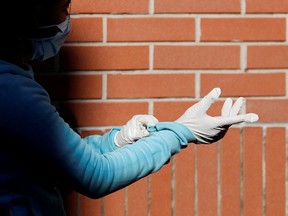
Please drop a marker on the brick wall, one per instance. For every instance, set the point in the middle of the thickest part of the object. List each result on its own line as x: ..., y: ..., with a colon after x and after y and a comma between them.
x: 158, y: 57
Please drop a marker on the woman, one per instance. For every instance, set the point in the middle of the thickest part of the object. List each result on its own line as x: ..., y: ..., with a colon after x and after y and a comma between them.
x: 39, y: 150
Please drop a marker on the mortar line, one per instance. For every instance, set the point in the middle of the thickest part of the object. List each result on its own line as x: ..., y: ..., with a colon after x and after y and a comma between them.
x: 219, y: 179
x: 243, y: 7
x: 105, y: 27
x: 173, y: 187
x: 151, y: 57
x: 241, y: 172
x: 196, y: 182
x: 151, y: 7
x: 264, y: 142
x: 104, y: 86
x: 286, y: 169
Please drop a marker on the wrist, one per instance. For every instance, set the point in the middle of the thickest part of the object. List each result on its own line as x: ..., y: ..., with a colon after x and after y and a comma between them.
x: 116, y: 142
x: 119, y: 140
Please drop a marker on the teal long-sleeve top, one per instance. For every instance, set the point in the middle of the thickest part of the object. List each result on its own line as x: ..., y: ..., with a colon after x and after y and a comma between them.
x: 38, y: 149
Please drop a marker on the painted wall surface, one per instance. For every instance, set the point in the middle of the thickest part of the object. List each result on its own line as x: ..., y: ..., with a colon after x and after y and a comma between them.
x: 158, y: 57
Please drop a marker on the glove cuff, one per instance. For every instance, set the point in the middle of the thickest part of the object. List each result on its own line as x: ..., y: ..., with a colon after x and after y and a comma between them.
x: 119, y: 140
x: 183, y: 133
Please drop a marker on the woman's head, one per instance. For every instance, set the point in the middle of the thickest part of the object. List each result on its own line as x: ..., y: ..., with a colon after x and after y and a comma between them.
x: 22, y: 23
x: 19, y: 18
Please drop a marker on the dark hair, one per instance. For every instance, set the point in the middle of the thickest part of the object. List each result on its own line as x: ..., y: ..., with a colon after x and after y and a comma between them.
x: 17, y: 17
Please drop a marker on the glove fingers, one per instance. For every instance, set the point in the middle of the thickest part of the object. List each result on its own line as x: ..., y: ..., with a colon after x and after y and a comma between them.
x: 146, y: 120
x: 209, y: 99
x: 141, y: 132
x: 230, y: 120
x: 237, y: 106
x: 225, y: 111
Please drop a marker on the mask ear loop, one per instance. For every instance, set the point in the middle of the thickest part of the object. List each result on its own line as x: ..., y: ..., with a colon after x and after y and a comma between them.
x: 69, y: 8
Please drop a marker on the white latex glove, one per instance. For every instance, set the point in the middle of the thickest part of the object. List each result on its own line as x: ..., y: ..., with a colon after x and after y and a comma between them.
x: 208, y: 129
x: 135, y: 129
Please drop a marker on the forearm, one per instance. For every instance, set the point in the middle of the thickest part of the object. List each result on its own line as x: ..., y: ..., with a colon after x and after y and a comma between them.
x: 102, y: 144
x: 109, y: 172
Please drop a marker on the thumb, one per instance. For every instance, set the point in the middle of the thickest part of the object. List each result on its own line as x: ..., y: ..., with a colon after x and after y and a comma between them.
x: 230, y: 120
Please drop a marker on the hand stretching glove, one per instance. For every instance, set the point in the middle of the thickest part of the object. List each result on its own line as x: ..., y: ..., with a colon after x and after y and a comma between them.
x: 208, y: 129
x: 135, y: 129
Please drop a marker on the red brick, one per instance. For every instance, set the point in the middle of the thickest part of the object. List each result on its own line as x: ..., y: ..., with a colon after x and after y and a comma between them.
x: 161, y: 195
x: 230, y: 173
x: 90, y: 206
x: 197, y: 57
x: 85, y: 133
x: 243, y: 29
x: 72, y: 86
x: 138, y: 198
x: 71, y: 204
x: 266, y: 6
x: 252, y: 172
x: 152, y: 86
x: 207, y: 181
x: 191, y: 185
x: 110, y: 6
x: 185, y: 181
x: 104, y: 58
x: 265, y: 57
x: 101, y: 114
x: 245, y: 84
x: 114, y: 204
x: 275, y: 155
x: 86, y: 30
x: 151, y: 29
x: 195, y: 6
x: 269, y: 110
x: 170, y: 111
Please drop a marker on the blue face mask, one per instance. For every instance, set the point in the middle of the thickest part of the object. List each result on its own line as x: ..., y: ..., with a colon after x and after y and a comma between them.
x: 44, y: 48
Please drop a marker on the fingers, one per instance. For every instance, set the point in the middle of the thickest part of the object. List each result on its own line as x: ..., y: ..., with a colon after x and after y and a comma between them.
x: 237, y: 106
x: 210, y: 98
x: 231, y: 120
x: 146, y: 120
x: 141, y: 131
x: 229, y: 110
x: 226, y: 107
